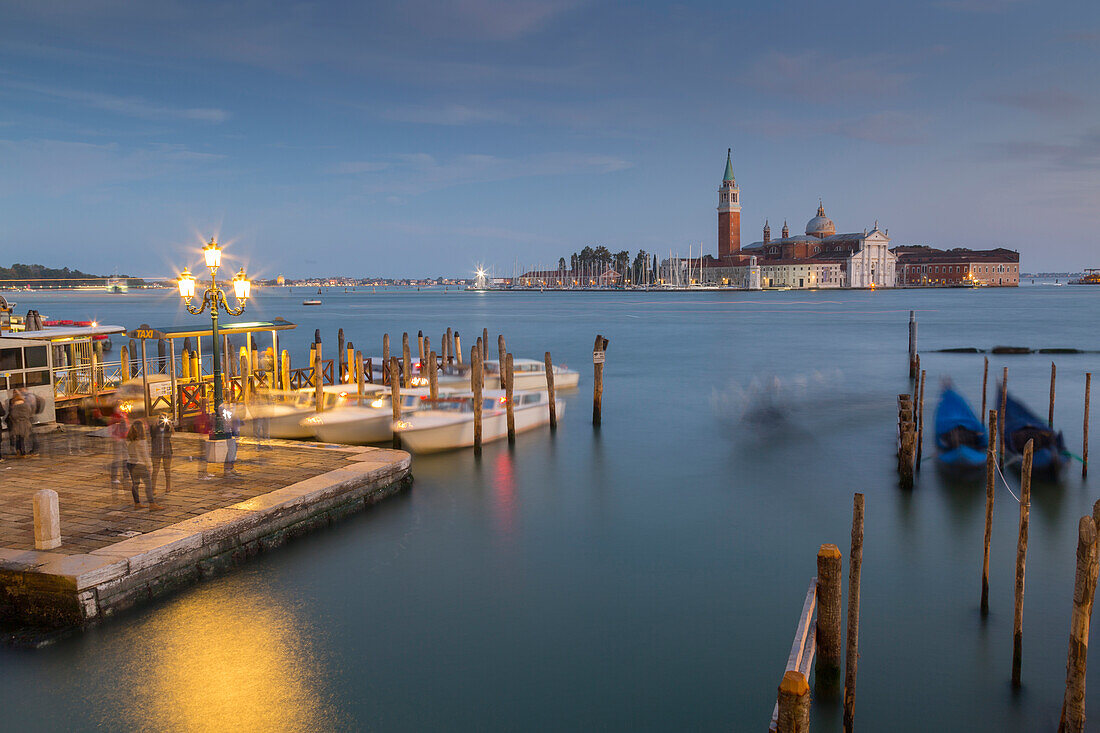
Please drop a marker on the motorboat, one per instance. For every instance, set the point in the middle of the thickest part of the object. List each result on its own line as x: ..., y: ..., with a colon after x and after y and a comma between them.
x: 280, y: 414
x: 311, y: 302
x: 447, y: 423
x: 360, y: 423
x: 531, y: 374
x: 1020, y: 425
x: 961, y: 439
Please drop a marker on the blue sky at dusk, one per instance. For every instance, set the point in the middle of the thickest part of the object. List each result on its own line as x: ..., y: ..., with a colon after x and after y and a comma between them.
x: 419, y: 138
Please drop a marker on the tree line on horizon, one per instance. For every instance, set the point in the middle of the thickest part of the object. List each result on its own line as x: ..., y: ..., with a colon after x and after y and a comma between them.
x: 21, y: 274
x: 601, y: 258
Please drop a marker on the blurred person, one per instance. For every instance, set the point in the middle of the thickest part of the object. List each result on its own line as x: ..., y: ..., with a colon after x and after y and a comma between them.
x: 118, y: 425
x: 137, y: 463
x: 233, y: 434
x: 160, y: 442
x: 20, y: 413
x: 202, y: 426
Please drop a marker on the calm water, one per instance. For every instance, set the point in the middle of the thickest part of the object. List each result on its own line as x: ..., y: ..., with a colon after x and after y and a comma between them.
x: 647, y: 576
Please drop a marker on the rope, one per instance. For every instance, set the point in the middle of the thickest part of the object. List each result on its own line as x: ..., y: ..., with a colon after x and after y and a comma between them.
x: 1003, y: 479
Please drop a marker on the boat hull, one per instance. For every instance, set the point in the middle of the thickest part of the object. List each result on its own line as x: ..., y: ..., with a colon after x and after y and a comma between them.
x: 460, y: 434
x: 361, y: 431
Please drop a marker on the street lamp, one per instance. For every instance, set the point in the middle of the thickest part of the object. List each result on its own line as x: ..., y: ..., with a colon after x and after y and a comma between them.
x: 214, y: 298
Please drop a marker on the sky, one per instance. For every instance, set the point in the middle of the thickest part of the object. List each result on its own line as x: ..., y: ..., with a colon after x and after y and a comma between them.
x: 423, y: 138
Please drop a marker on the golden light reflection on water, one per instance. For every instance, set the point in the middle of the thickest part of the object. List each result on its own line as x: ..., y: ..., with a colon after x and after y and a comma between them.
x: 225, y: 661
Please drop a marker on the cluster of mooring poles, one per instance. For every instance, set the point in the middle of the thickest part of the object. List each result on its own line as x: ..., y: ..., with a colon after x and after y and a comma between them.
x: 910, y: 428
x: 822, y: 637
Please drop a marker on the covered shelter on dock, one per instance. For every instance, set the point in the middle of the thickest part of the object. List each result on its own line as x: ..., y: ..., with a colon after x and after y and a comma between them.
x: 186, y: 386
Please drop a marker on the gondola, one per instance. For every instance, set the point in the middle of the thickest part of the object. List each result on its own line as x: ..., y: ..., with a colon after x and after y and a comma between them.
x: 1021, y: 425
x: 961, y: 439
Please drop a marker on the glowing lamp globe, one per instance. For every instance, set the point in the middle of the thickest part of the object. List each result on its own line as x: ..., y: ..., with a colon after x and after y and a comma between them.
x: 213, y: 254
x: 187, y: 284
x: 241, y: 286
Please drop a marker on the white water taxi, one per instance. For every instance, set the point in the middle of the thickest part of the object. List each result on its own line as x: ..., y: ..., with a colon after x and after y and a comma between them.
x: 449, y: 421
x: 360, y: 424
x: 528, y: 373
x: 283, y: 412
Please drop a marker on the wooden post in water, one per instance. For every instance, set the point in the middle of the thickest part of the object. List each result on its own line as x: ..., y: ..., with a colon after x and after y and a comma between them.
x: 246, y: 378
x: 433, y: 378
x: 449, y: 347
x: 406, y: 360
x: 385, y: 358
x: 1053, y: 374
x: 318, y: 378
x: 484, y: 346
x: 1021, y: 562
x: 360, y: 379
x: 1001, y: 417
x: 339, y: 377
x: 1085, y: 445
x: 990, y: 478
x: 913, y: 366
x: 420, y: 349
x: 851, y: 657
x: 1084, y: 588
x: 550, y: 392
x: 477, y: 377
x: 508, y: 390
x: 458, y: 348
x: 350, y: 363
x: 829, y: 615
x: 920, y: 423
x: 284, y: 367
x: 501, y: 351
x: 985, y: 381
x: 794, y: 703
x: 598, y: 352
x: 395, y: 396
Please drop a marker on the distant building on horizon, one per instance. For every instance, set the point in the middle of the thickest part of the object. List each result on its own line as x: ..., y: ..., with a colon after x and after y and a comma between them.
x: 928, y: 266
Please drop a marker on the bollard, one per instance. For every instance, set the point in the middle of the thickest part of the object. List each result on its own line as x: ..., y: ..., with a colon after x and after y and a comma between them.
x: 318, y: 378
x: 385, y: 358
x: 1001, y: 418
x: 433, y: 377
x: 1053, y: 374
x: 1085, y: 445
x: 340, y: 350
x: 1021, y: 562
x: 598, y: 355
x: 406, y: 361
x: 990, y: 478
x: 1084, y: 588
x: 47, y: 520
x: 509, y: 405
x: 477, y: 377
x: 855, y: 564
x: 829, y: 578
x: 550, y: 392
x: 920, y: 422
x: 458, y: 349
x: 284, y: 367
x: 985, y: 381
x: 794, y: 703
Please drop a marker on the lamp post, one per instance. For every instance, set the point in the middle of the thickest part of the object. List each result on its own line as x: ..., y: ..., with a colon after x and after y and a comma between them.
x: 214, y: 298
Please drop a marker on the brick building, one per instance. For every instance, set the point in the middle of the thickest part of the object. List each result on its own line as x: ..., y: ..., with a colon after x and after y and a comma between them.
x: 928, y: 266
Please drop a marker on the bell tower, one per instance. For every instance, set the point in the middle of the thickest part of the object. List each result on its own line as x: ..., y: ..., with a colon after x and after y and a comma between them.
x: 729, y: 213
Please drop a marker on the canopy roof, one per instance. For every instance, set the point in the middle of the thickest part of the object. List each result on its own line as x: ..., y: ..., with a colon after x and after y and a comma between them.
x: 64, y: 333
x: 144, y: 331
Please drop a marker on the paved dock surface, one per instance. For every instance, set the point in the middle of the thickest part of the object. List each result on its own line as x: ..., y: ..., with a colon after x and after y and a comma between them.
x: 95, y: 514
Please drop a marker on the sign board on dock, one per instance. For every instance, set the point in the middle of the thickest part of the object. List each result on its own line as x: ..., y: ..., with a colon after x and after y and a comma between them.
x: 598, y: 357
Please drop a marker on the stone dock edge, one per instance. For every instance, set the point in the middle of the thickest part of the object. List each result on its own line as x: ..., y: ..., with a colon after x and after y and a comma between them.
x: 51, y: 591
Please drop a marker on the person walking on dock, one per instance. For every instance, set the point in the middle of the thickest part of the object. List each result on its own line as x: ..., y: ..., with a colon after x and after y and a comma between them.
x: 137, y: 463
x: 202, y: 426
x: 117, y: 427
x: 3, y: 427
x: 160, y: 441
x: 233, y: 434
x: 20, y: 413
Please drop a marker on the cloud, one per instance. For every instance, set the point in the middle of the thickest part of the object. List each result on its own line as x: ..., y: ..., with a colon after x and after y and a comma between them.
x: 1053, y: 101
x: 889, y: 127
x: 1081, y: 153
x: 412, y: 173
x: 59, y: 167
x: 127, y: 106
x: 979, y: 6
x: 813, y: 76
x: 447, y: 114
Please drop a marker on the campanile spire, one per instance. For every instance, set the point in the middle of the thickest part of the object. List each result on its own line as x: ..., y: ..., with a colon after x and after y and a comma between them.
x: 729, y: 212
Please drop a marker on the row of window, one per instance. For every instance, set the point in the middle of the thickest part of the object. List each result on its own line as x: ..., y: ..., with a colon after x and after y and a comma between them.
x: 964, y: 268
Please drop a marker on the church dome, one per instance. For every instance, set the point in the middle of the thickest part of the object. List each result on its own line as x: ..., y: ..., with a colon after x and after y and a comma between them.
x: 820, y: 225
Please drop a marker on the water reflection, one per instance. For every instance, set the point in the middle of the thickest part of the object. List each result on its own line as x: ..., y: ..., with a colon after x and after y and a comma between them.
x: 504, y: 493
x: 211, y: 662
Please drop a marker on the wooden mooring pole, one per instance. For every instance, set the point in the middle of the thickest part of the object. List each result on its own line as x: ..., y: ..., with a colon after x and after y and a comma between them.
x: 458, y: 349
x: 508, y: 390
x: 851, y: 657
x: 1085, y: 444
x: 360, y: 378
x: 477, y: 378
x: 1053, y: 374
x: 913, y: 366
x: 433, y: 376
x: 406, y: 361
x: 449, y: 348
x: 501, y: 351
x: 318, y: 378
x: 985, y: 382
x: 484, y: 346
x: 1021, y: 562
x: 920, y: 423
x: 990, y: 478
x: 794, y: 703
x: 553, y: 403
x: 420, y: 349
x: 599, y: 352
x: 385, y: 357
x: 907, y: 439
x: 395, y: 397
x: 1084, y: 589
x: 340, y: 351
x: 1001, y: 417
x: 829, y: 617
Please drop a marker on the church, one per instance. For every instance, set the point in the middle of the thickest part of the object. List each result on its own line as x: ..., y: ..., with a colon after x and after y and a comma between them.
x: 820, y: 258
